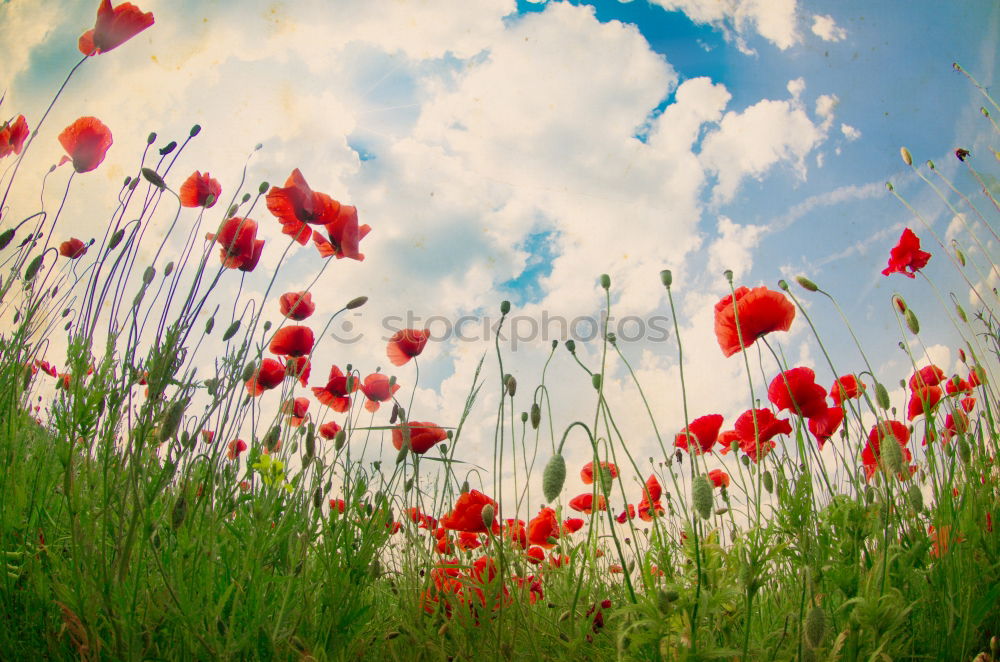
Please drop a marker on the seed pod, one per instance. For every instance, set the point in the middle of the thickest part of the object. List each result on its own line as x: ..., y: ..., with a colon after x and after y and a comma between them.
x: 536, y: 416
x: 310, y: 441
x: 881, y: 395
x: 153, y: 178
x: 554, y: 477
x: 701, y: 496
x: 169, y: 147
x: 262, y: 189
x: 783, y: 284
x: 504, y: 307
x: 179, y: 512
x: 667, y: 278
x: 6, y: 237
x: 911, y: 321
x: 148, y: 275
x: 488, y: 513
x: 231, y: 331
x: 605, y: 281
x: 524, y: 417
x: 916, y: 497
x: 892, y: 455
x: 905, y: 154
x: 401, y: 455
x: 33, y: 268
x: 571, y: 345
x: 768, y: 481
x: 815, y: 626
x: 511, y: 384
x: 728, y: 275
x: 595, y: 379
x: 806, y: 284
x: 195, y: 130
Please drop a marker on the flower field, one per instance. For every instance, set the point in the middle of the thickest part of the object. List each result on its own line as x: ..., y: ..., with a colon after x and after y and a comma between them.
x: 179, y: 480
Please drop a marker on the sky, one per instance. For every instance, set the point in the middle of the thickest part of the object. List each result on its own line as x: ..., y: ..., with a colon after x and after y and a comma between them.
x: 518, y: 150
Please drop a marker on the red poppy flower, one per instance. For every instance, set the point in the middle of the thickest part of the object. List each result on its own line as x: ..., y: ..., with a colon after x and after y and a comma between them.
x: 296, y: 409
x: 726, y: 439
x: 956, y: 423
x: 208, y: 436
x: 114, y: 27
x: 957, y: 385
x: 298, y: 367
x: 423, y: 436
x: 468, y: 513
x: 406, y: 344
x: 652, y: 490
x: 845, y: 388
x: 584, y: 503
x: 647, y: 510
x: 236, y: 446
x: 297, y: 305
x: 378, y: 388
x: 344, y: 236
x: 796, y: 390
x: 87, y: 141
x: 760, y: 312
x: 468, y: 541
x: 535, y: 554
x: 329, y: 430
x: 719, y: 478
x: 73, y: 248
x: 627, y: 514
x: 240, y: 247
x: 878, y: 434
x: 297, y: 205
x: 768, y: 426
x: 12, y: 136
x: 543, y: 527
x: 929, y: 375
x: 968, y: 403
x: 337, y: 505
x: 514, y: 531
x: 47, y: 368
x: 574, y: 524
x: 704, y: 431
x: 922, y: 399
x: 200, y: 190
x: 295, y: 340
x: 826, y: 424
x: 269, y: 375
x: 558, y: 560
x: 336, y: 393
x: 587, y: 473
x: 974, y: 379
x: 906, y: 255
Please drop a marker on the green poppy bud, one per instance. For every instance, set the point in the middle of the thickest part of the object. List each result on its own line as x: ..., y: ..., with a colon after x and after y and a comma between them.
x: 553, y: 477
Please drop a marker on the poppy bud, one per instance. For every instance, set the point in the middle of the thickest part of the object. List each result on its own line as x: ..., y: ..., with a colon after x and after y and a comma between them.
x: 357, y: 302
x: 116, y: 239
x: 815, y: 626
x: 881, y: 396
x: 169, y: 147
x: 911, y: 322
x: 511, y: 385
x: 488, y: 513
x: 964, y: 451
x: 960, y: 255
x: 231, y: 211
x: 168, y: 269
x: 889, y: 186
x: 536, y: 416
x: 701, y: 496
x: 408, y: 485
x: 595, y: 379
x: 465, y: 486
x: 612, y: 338
x: 783, y: 284
x: 245, y: 198
x: 524, y: 417
x: 148, y: 275
x: 6, y: 237
x: 555, y: 343
x: 33, y: 268
x: 667, y: 278
x: 768, y: 481
x: 721, y: 511
x: 209, y: 325
x: 728, y: 274
x: 961, y: 154
x: 318, y: 498
x: 172, y: 420
x: 571, y: 345
x: 339, y: 440
x: 916, y: 497
x: 504, y: 307
x: 231, y: 331
x: 401, y: 455
x: 806, y: 284
x: 899, y: 302
x: 553, y: 477
x: 153, y: 178
x: 248, y: 371
x: 179, y: 512
x: 892, y: 455
x: 151, y: 138
x: 905, y: 153
x: 605, y: 281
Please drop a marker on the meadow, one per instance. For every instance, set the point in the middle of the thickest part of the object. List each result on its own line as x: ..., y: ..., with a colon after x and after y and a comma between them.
x: 152, y: 508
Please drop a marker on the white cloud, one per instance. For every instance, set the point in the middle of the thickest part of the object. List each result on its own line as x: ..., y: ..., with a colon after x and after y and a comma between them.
x: 775, y: 20
x: 850, y: 132
x: 827, y: 29
x: 734, y: 247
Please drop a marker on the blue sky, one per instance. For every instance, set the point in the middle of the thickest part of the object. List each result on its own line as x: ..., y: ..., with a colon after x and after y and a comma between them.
x: 518, y: 150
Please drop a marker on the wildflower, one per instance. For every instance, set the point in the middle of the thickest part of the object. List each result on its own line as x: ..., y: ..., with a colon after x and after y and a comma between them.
x: 269, y: 375
x: 114, y: 27
x: 796, y: 390
x: 336, y: 393
x: 377, y: 388
x: 587, y: 473
x: 47, y: 368
x: 208, y: 436
x: 467, y: 515
x: 344, y: 236
x: 200, y: 190
x: 296, y: 206
x: 871, y: 454
x: 727, y: 438
x: 627, y: 514
x: 73, y: 248
x: 922, y: 400
x: 652, y: 489
x: 12, y: 136
x: 584, y: 503
x: 906, y: 257
x: 423, y: 436
x: 768, y: 426
x: 295, y: 340
x: 406, y: 344
x: 704, y: 431
x: 515, y: 531
x: 929, y: 375
x: 297, y: 305
x: 338, y: 505
x: 719, y: 478
x: 296, y: 409
x: 535, y: 554
x: 543, y: 530
x: 236, y: 446
x: 299, y: 367
x: 760, y: 312
x: 329, y: 430
x: 240, y: 248
x: 468, y: 541
x: 649, y: 510
x: 826, y: 424
x: 87, y: 141
x: 845, y: 388
x: 957, y: 385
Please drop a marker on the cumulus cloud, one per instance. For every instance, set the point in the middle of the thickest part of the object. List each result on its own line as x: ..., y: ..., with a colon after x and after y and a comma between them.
x: 827, y: 29
x: 850, y: 132
x: 775, y: 20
